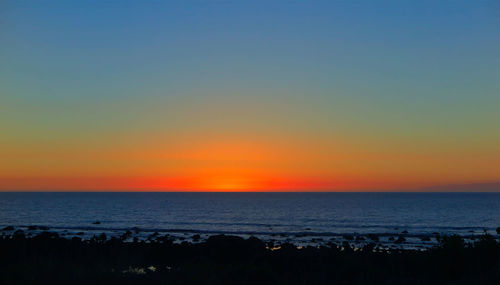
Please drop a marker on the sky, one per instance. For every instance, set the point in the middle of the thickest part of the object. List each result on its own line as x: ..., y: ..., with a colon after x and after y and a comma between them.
x: 248, y: 95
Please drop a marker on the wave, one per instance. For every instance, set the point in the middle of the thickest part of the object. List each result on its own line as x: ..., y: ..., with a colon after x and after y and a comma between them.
x: 419, y: 231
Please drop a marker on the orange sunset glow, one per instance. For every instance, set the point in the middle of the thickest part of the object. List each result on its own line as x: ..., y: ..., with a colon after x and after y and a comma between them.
x: 198, y: 102
x: 220, y: 165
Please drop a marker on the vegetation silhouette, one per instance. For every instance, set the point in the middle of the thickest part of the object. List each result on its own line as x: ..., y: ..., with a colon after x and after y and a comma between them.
x: 48, y: 258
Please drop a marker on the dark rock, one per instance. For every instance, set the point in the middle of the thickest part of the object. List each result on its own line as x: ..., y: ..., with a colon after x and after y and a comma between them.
x: 114, y: 241
x: 47, y: 235
x: 288, y: 247
x: 167, y: 240
x: 425, y: 239
x: 404, y: 232
x: 400, y: 240
x: 101, y: 238
x: 255, y: 243
x: 498, y: 230
x: 346, y: 246
x: 19, y: 234
x: 369, y: 247
x: 331, y: 244
x: 453, y: 243
x: 224, y: 239
x: 8, y: 228
x: 348, y: 237
x: 373, y: 237
x: 96, y: 223
x: 79, y: 233
x: 230, y: 246
x: 391, y: 238
x: 126, y: 235
x: 196, y: 237
x: 32, y: 228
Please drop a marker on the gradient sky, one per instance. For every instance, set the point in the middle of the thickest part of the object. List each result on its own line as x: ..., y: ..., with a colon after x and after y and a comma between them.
x: 248, y: 95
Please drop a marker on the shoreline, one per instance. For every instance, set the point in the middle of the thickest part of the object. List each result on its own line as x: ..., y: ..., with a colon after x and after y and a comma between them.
x: 401, y: 240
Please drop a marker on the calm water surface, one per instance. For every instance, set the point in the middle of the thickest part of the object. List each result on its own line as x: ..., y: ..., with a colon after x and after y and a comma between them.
x: 256, y: 213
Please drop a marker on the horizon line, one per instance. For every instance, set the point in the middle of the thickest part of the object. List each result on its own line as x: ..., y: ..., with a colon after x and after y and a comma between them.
x: 236, y: 191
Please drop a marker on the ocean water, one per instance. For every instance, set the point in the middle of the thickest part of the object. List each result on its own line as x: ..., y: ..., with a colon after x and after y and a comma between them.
x: 266, y: 215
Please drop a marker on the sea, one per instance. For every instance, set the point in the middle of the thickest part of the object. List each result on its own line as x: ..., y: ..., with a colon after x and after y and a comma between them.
x: 302, y: 218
